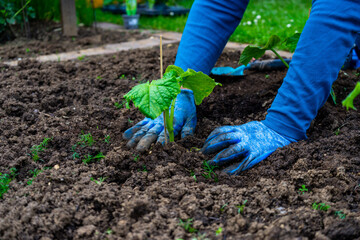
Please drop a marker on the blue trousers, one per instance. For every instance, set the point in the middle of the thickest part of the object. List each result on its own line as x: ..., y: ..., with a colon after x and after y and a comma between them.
x: 324, y: 44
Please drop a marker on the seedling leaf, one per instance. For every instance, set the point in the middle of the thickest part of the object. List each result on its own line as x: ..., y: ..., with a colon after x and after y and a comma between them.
x: 155, y: 97
x: 292, y: 41
x: 272, y: 42
x: 201, y: 84
x: 177, y: 69
x: 250, y: 53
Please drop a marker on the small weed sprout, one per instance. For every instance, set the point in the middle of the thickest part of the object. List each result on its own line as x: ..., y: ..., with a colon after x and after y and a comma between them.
x: 192, y: 173
x: 89, y: 158
x: 340, y: 214
x: 241, y: 207
x: 99, y: 181
x: 36, y: 149
x: 222, y: 209
x: 27, y: 50
x: 209, y: 171
x: 320, y: 206
x: 187, y: 225
x: 129, y: 120
x: 99, y: 78
x: 5, y: 180
x: 144, y: 168
x: 218, y: 231
x: 119, y: 105
x: 107, y: 139
x: 86, y: 140
x: 136, y: 157
x: 303, y: 189
x: 109, y: 231
x: 122, y: 76
x: 34, y: 174
x: 80, y: 58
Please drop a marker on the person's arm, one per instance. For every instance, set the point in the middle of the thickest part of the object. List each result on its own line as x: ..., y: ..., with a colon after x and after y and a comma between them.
x: 324, y: 44
x: 209, y: 25
x: 208, y: 28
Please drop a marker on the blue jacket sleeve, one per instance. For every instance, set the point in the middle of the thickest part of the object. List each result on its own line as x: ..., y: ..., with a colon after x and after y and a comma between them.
x: 208, y: 28
x: 326, y: 40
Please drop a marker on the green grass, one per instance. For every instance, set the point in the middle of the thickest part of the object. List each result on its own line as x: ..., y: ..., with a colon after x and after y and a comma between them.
x: 282, y: 18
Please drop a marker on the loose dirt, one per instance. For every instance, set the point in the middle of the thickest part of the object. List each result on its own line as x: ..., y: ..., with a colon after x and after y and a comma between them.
x: 144, y: 195
x: 46, y: 38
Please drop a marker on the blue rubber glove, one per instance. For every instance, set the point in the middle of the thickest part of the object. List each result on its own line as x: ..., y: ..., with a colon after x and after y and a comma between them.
x: 148, y: 131
x: 247, y: 145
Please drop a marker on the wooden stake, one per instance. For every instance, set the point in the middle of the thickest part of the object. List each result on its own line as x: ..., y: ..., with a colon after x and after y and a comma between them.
x: 161, y: 75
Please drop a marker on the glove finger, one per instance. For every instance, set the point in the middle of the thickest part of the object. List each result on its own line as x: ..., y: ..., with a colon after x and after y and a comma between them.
x: 161, y: 138
x: 220, y: 142
x: 139, y: 134
x: 257, y: 160
x: 128, y: 134
x: 218, y: 131
x: 229, y: 154
x: 189, y: 127
x: 248, y: 162
x: 149, y: 138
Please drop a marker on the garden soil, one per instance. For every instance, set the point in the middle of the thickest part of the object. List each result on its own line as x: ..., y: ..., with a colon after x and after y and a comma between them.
x: 144, y: 195
x: 46, y: 38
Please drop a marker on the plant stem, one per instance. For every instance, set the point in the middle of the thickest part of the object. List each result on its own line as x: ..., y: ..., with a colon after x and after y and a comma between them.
x: 165, y: 126
x: 287, y: 65
x: 169, y: 126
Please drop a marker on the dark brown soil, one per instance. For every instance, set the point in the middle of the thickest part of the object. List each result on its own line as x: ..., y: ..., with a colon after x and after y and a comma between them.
x: 144, y: 196
x: 46, y: 38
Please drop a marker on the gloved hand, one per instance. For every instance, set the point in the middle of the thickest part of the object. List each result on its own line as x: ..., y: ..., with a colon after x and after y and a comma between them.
x: 247, y: 145
x: 147, y: 131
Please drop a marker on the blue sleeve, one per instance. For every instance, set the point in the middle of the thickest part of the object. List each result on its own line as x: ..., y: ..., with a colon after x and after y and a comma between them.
x: 208, y: 28
x: 326, y: 40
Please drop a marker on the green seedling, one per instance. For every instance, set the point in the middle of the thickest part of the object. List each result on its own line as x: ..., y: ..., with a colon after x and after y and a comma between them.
x: 222, y: 209
x: 333, y: 96
x: 241, y: 207
x: 349, y: 100
x: 119, y: 105
x: 267, y: 76
x: 192, y: 173
x: 99, y: 181
x: 159, y: 96
x: 130, y: 121
x: 5, y: 180
x: 144, y: 168
x: 251, y: 52
x: 99, y: 78
x: 218, y: 231
x: 89, y: 158
x: 194, y: 149
x: 131, y: 7
x: 340, y: 214
x: 36, y: 149
x: 136, y: 157
x: 209, y: 171
x: 109, y: 231
x: 107, y: 139
x: 187, y: 225
x: 200, y: 236
x: 80, y: 58
x: 303, y: 189
x: 122, y: 76
x: 86, y: 140
x: 27, y: 50
x: 34, y: 174
x: 320, y: 206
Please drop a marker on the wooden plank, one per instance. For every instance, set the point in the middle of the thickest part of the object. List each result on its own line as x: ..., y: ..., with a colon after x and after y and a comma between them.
x: 68, y: 17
